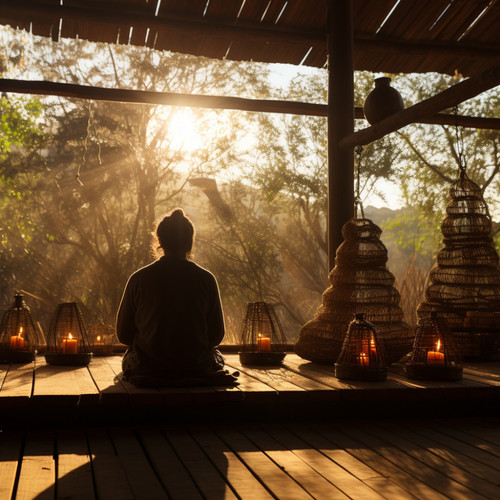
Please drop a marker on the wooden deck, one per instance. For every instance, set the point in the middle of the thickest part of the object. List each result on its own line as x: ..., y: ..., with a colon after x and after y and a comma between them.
x: 41, y: 393
x: 392, y: 459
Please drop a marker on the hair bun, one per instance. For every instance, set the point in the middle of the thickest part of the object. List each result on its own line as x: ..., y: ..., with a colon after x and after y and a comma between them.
x: 178, y: 213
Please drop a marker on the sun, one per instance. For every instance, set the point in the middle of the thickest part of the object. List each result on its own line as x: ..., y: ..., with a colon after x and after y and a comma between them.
x: 183, y: 131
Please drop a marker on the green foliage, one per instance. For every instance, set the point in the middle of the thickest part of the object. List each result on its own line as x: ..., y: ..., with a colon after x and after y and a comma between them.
x: 18, y: 124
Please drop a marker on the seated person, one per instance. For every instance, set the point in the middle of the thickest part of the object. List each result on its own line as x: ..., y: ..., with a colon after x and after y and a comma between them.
x: 171, y: 317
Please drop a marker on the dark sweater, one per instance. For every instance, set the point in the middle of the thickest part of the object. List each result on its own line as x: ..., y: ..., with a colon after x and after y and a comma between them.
x: 171, y: 318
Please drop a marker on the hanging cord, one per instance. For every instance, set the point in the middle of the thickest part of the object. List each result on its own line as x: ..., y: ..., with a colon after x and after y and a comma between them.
x: 462, y: 165
x: 358, y: 204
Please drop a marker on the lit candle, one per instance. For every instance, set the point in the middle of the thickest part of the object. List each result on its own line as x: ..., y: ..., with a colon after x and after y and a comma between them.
x: 98, y: 338
x: 435, y: 357
x: 70, y: 345
x: 16, y: 341
x: 263, y: 343
x: 373, y: 347
x: 364, y: 359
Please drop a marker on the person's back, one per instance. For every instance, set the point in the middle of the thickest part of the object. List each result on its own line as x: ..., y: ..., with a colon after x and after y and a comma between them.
x: 170, y: 315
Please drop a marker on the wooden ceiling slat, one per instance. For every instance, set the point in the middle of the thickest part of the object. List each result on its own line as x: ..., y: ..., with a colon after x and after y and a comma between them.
x: 211, y: 35
x: 415, y: 21
x: 253, y: 10
x: 457, y: 19
x: 272, y: 13
x: 366, y: 18
x: 310, y: 15
x: 487, y: 29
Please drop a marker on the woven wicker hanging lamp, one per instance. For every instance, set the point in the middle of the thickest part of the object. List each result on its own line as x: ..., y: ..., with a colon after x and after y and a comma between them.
x: 362, y: 355
x: 262, y: 340
x: 67, y: 341
x: 464, y: 284
x: 359, y: 283
x: 19, y: 337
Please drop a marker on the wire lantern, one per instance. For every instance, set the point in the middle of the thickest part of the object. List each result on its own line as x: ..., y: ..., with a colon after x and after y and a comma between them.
x: 262, y: 340
x: 67, y: 341
x: 103, y: 339
x: 435, y: 354
x: 19, y: 336
x: 362, y: 354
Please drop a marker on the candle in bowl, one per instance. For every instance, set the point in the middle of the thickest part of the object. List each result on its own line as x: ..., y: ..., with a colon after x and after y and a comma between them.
x: 364, y: 359
x: 70, y: 345
x: 263, y: 343
x: 16, y: 341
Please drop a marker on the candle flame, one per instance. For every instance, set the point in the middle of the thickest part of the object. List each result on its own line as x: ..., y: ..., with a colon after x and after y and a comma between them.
x: 70, y: 336
x: 372, y: 341
x: 98, y: 338
x: 260, y: 335
x: 438, y: 345
x: 20, y: 332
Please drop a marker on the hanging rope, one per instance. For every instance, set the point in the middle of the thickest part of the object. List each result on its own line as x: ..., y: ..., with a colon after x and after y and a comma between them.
x: 358, y: 204
x: 462, y: 165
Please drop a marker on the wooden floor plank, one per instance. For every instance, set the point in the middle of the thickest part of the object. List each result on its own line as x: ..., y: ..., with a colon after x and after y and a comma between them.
x: 247, y: 487
x: 479, y: 432
x: 17, y: 386
x: 110, y: 478
x: 63, y: 385
x: 4, y: 368
x: 353, y: 390
x: 270, y: 474
x: 313, y: 471
x: 38, y: 468
x: 277, y: 378
x: 209, y: 481
x: 370, y: 456
x: 74, y: 471
x: 173, y: 475
x: 139, y: 472
x: 111, y: 390
x: 469, y: 457
x: 10, y: 454
x: 378, y: 482
x: 417, y: 468
x: 416, y: 449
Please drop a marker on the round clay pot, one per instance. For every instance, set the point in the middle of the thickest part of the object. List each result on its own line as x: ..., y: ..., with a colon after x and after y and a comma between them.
x: 382, y: 101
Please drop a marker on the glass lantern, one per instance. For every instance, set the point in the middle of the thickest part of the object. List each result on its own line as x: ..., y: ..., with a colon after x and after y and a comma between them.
x: 19, y: 337
x: 435, y: 354
x: 103, y: 339
x: 67, y: 341
x: 362, y: 355
x: 262, y: 341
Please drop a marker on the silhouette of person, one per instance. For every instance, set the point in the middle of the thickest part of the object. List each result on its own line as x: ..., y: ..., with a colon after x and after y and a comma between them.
x: 170, y: 315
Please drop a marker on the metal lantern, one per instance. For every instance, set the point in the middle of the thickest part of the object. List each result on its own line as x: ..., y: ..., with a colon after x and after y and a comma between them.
x: 103, y: 339
x: 262, y: 341
x: 19, y: 337
x: 435, y: 353
x: 67, y: 341
x: 362, y: 355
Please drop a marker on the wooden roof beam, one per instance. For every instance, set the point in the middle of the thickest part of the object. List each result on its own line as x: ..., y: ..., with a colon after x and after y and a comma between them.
x: 31, y: 11
x: 423, y: 110
x: 214, y: 102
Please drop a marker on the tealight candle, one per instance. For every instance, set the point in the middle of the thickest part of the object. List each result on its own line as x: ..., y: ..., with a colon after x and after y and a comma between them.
x: 69, y: 345
x: 16, y: 341
x: 364, y: 359
x: 435, y: 357
x: 263, y: 343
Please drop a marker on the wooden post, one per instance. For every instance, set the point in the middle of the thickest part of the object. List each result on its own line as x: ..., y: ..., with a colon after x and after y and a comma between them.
x: 340, y: 121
